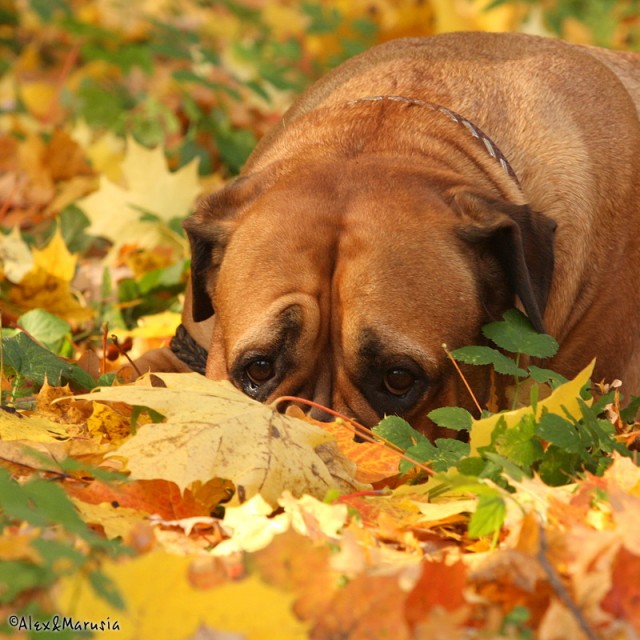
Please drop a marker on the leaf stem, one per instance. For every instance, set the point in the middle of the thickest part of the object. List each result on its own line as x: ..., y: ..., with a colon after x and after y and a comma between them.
x: 357, y: 429
x: 464, y: 380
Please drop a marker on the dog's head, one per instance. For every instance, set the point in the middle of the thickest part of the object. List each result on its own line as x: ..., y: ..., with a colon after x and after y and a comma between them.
x: 339, y: 277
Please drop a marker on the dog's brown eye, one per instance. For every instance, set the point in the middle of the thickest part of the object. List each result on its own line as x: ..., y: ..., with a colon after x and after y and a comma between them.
x: 260, y: 371
x: 398, y: 381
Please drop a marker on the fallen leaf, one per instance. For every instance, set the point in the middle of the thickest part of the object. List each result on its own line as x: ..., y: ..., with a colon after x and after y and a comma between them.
x: 564, y: 398
x: 115, y: 211
x: 366, y: 607
x: 163, y: 604
x: 624, y: 595
x: 440, y: 585
x: 15, y: 256
x: 214, y: 430
x: 48, y: 284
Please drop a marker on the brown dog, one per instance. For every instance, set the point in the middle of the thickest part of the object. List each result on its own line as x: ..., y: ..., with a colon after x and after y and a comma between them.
x: 408, y: 198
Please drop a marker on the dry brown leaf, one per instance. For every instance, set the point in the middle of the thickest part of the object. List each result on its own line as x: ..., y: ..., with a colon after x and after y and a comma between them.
x: 214, y: 430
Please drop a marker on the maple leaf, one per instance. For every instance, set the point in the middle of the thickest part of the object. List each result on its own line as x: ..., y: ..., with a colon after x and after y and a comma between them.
x: 115, y: 211
x: 48, y: 284
x: 163, y: 604
x: 214, y: 430
x: 563, y: 399
x: 15, y: 257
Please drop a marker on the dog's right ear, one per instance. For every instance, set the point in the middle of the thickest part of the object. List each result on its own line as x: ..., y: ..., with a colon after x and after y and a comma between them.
x: 209, y: 230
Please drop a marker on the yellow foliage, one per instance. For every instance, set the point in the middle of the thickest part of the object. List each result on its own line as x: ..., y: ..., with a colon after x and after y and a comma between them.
x: 468, y: 15
x: 563, y: 400
x: 48, y: 284
x: 214, y: 430
x: 37, y: 96
x: 115, y: 211
x: 162, y: 604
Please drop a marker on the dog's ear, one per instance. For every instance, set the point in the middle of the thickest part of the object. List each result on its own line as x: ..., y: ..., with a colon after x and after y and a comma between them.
x: 209, y: 230
x: 522, y: 241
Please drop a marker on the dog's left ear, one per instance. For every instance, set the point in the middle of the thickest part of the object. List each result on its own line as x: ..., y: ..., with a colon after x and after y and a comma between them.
x: 522, y: 241
x: 209, y: 230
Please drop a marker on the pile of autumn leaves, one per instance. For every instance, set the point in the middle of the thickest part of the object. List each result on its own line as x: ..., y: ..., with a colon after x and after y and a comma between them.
x: 178, y: 508
x: 235, y: 518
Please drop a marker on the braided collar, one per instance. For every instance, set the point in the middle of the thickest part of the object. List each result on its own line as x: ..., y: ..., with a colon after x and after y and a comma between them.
x: 490, y: 146
x: 188, y: 350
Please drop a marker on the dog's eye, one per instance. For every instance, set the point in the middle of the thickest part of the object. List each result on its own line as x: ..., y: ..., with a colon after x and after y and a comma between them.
x: 259, y: 371
x: 398, y: 381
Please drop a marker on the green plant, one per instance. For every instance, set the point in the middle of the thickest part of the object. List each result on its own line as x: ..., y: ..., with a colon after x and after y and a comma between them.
x: 557, y: 448
x: 50, y: 542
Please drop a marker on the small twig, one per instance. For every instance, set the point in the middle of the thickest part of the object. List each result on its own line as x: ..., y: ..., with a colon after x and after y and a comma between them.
x: 464, y: 380
x: 356, y: 429
x: 67, y: 67
x: 560, y: 589
x: 114, y: 339
x: 103, y: 361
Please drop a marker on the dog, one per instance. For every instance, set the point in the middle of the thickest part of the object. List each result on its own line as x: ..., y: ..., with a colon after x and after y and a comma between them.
x: 406, y: 199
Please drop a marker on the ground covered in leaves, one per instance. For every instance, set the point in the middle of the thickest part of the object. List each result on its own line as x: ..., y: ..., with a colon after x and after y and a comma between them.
x: 175, y: 507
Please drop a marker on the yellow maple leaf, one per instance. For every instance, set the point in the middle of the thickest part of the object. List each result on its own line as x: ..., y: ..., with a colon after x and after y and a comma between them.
x: 35, y: 428
x: 48, y: 284
x: 214, y: 430
x: 162, y: 604
x: 55, y: 259
x: 563, y: 399
x: 115, y: 211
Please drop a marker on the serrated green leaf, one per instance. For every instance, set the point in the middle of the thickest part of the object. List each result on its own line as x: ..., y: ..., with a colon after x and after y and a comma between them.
x: 52, y: 551
x: 488, y: 517
x: 479, y: 355
x: 517, y: 444
x: 455, y: 418
x: 46, y: 328
x: 512, y: 469
x: 516, y: 334
x: 422, y: 452
x: 399, y: 432
x: 17, y: 576
x: 544, y: 376
x: 106, y: 589
x: 629, y: 413
x: 38, y: 364
x: 558, y: 466
x: 556, y: 430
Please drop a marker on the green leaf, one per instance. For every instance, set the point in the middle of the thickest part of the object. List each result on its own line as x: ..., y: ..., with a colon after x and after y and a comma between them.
x: 556, y: 430
x: 629, y: 413
x: 36, y: 363
x: 399, y: 432
x: 518, y: 443
x: 424, y: 451
x: 516, y: 334
x: 488, y: 517
x: 558, y: 466
x: 486, y: 355
x: 455, y: 418
x: 106, y: 589
x: 46, y: 328
x: 448, y: 453
x: 512, y: 470
x: 53, y: 551
x: 547, y: 376
x: 17, y: 576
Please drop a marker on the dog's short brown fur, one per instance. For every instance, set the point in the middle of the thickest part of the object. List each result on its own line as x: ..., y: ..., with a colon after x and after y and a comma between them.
x: 365, y: 233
